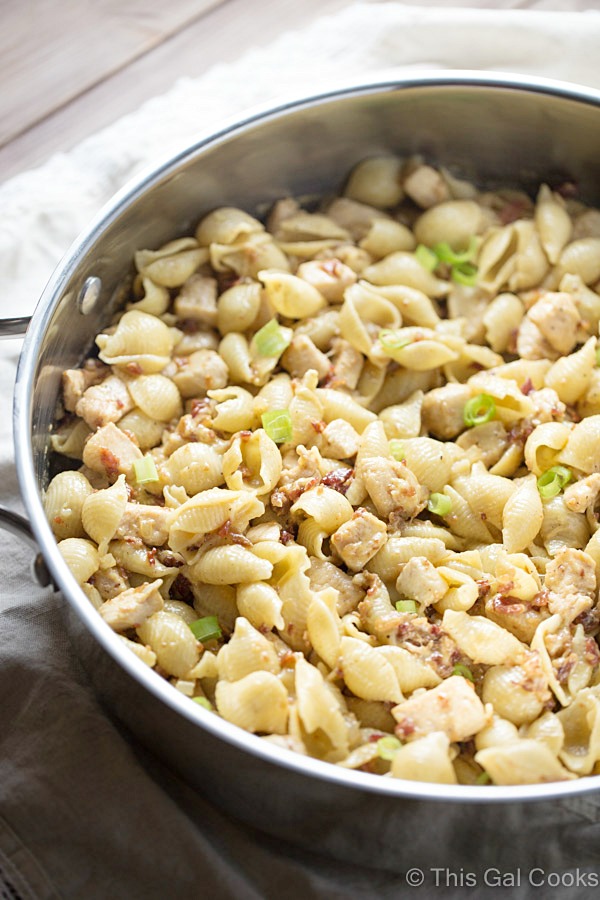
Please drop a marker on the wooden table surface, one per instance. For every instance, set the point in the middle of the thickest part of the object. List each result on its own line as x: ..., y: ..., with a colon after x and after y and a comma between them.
x: 69, y: 68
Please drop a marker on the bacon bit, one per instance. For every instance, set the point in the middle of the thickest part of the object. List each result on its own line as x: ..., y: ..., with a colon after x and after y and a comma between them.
x: 331, y: 267
x: 188, y: 326
x: 528, y: 387
x: 405, y: 728
x: 338, y: 479
x: 573, y: 414
x: 227, y: 279
x: 568, y: 189
x: 519, y: 433
x: 590, y: 619
x: 592, y: 653
x: 287, y: 660
x: 109, y: 462
x: 329, y: 379
x: 151, y: 556
x: 373, y: 738
x: 199, y: 405
x: 168, y: 559
x: 133, y: 368
x: 58, y: 520
x: 181, y: 589
x: 564, y: 670
x: 483, y: 589
x: 245, y: 435
x: 512, y: 211
x: 234, y: 536
x: 286, y: 537
x: 319, y: 425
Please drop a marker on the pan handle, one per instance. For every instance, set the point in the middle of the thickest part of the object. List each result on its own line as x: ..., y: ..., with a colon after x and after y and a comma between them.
x: 15, y: 327
x: 19, y: 526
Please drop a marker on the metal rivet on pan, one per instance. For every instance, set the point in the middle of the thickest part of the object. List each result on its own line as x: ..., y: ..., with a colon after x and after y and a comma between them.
x: 88, y: 295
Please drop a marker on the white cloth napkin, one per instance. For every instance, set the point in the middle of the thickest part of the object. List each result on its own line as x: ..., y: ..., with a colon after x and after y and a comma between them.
x: 84, y: 811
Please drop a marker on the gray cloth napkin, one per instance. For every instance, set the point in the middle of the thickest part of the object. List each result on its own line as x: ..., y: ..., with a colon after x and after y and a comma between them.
x: 85, y: 811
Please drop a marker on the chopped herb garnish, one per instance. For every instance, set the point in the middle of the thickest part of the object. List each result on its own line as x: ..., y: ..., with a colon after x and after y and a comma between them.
x: 479, y: 410
x: 278, y: 425
x: 426, y: 257
x: 388, y: 746
x: 551, y: 482
x: 203, y: 701
x: 144, y: 470
x: 206, y: 629
x: 393, y: 340
x: 464, y: 671
x: 271, y: 339
x: 439, y: 504
x: 407, y: 606
x: 397, y: 450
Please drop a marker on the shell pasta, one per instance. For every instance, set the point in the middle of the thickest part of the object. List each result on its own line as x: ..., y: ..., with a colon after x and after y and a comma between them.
x: 335, y: 475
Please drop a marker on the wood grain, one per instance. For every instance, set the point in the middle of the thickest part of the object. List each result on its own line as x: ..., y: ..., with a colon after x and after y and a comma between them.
x: 52, y: 52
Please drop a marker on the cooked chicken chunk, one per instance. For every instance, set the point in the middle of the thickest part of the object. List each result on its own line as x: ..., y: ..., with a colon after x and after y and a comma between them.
x: 110, y: 452
x: 557, y: 318
x: 583, y: 494
x: 347, y: 364
x: 571, y: 572
x: 105, y: 402
x: 149, y: 524
x: 198, y: 300
x: 453, y: 707
x: 133, y: 606
x: 442, y: 411
x: 356, y: 217
x: 324, y: 574
x: 302, y: 355
x: 420, y: 581
x: 330, y: 276
x: 76, y: 381
x: 339, y: 440
x: 358, y: 540
x: 392, y: 487
x: 531, y: 343
x: 546, y: 406
x: 201, y: 371
x: 109, y: 582
x: 426, y: 187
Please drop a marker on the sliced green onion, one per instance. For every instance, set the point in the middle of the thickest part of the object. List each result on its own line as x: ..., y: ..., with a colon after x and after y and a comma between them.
x: 144, y: 469
x: 388, y: 746
x: 553, y: 480
x: 483, y: 778
x: 206, y: 629
x: 393, y: 340
x: 278, y: 425
x: 203, y: 701
x: 465, y: 273
x: 464, y: 671
x: 397, y: 450
x: 446, y: 254
x: 439, y: 504
x: 479, y: 410
x: 409, y: 606
x: 426, y: 257
x: 271, y: 340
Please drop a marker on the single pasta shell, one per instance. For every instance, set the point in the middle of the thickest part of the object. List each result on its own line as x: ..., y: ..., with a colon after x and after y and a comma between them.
x: 256, y: 703
x: 172, y: 640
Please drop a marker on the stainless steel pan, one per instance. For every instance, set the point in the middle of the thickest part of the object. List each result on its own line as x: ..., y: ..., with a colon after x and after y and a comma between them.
x: 494, y: 130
